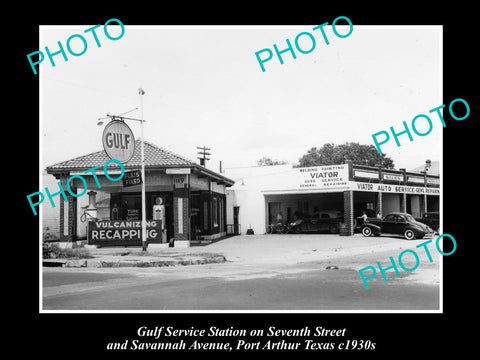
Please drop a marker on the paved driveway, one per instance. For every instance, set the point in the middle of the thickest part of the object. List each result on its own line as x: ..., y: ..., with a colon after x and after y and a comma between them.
x: 283, y: 272
x: 293, y: 248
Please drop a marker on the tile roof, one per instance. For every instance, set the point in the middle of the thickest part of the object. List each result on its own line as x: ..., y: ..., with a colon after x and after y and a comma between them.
x: 154, y: 157
x: 433, y: 170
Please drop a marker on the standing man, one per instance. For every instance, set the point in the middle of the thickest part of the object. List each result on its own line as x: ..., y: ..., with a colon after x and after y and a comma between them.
x: 279, y: 218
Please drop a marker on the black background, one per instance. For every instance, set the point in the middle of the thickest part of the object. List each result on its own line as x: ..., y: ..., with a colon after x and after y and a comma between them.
x: 397, y: 335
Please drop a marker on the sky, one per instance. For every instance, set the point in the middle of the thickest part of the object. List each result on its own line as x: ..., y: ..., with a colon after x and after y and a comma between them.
x: 204, y: 87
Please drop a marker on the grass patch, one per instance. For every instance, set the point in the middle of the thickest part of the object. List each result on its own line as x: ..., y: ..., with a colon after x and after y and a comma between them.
x: 53, y: 251
x: 141, y: 253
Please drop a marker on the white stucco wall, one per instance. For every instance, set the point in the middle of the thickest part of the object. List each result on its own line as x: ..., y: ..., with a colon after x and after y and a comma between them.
x: 247, y: 194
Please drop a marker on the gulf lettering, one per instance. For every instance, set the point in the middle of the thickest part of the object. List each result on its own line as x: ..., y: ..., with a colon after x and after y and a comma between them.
x: 117, y: 141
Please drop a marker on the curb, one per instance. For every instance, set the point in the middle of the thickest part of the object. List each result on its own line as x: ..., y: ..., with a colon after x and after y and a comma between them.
x: 102, y: 263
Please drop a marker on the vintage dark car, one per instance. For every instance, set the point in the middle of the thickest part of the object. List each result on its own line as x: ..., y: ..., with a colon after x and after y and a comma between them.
x: 432, y: 219
x: 322, y: 221
x: 396, y: 223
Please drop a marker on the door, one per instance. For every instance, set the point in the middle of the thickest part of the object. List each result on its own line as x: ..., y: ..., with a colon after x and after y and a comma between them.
x: 388, y: 224
x: 195, y: 216
x: 131, y: 207
x: 400, y: 225
x: 273, y: 211
x: 236, y: 225
x: 324, y: 224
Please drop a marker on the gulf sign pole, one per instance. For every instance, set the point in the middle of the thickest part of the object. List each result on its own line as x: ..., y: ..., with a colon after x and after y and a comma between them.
x: 119, y: 143
x: 144, y: 211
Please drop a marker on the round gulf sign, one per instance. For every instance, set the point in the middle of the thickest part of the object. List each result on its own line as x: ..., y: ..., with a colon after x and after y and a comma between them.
x: 118, y: 141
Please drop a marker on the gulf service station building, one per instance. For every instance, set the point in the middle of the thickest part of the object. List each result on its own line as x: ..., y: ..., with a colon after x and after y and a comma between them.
x: 184, y: 201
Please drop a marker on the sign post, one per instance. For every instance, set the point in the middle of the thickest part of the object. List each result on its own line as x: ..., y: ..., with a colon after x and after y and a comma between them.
x: 119, y: 144
x: 144, y: 211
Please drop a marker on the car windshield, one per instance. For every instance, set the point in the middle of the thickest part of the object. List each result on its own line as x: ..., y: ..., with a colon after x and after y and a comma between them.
x: 409, y: 217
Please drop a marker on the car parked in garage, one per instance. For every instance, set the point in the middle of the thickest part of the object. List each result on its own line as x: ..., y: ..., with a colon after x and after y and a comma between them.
x: 321, y: 221
x: 396, y: 223
x: 431, y: 219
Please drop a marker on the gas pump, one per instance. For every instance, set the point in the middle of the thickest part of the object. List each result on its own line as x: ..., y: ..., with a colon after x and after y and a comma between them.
x: 159, y: 215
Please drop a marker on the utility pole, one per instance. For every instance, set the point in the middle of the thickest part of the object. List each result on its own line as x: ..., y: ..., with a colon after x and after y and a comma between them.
x: 202, y: 151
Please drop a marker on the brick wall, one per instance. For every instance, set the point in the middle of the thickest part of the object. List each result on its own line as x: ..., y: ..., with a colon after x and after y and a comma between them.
x: 379, y: 209
x: 63, y: 205
x: 348, y: 211
x: 50, y: 215
x: 181, y: 219
x: 68, y: 211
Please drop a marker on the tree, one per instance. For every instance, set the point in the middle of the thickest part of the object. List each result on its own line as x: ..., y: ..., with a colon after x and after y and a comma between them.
x: 266, y: 161
x: 331, y: 154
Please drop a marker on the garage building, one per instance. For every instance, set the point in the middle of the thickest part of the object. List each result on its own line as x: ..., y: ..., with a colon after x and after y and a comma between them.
x: 261, y: 193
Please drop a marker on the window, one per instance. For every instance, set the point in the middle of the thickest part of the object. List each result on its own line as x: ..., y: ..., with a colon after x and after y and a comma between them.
x: 205, y: 215
x: 221, y: 215
x: 215, y: 211
x: 126, y: 207
x: 180, y: 215
x: 389, y: 218
x: 305, y: 207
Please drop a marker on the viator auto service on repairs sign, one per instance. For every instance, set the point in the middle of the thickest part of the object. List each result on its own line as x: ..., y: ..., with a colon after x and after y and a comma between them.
x: 123, y: 232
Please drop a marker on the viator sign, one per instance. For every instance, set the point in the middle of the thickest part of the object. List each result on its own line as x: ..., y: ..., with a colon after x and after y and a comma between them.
x: 327, y: 178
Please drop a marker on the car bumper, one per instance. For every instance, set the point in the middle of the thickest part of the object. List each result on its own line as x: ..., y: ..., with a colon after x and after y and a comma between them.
x: 429, y: 235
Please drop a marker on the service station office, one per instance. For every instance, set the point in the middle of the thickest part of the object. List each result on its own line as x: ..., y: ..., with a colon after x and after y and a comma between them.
x: 184, y: 200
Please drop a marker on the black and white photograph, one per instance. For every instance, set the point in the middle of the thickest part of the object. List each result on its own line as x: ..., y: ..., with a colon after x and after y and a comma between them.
x: 250, y: 186
x: 256, y: 178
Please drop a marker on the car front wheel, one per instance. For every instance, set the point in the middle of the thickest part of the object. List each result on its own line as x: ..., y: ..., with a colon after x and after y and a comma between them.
x: 333, y: 229
x: 409, y: 235
x: 366, y: 231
